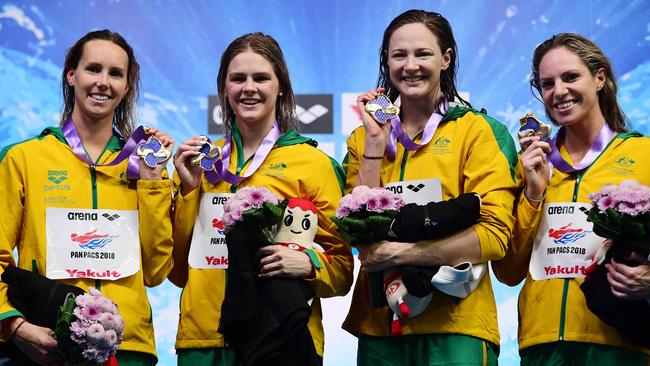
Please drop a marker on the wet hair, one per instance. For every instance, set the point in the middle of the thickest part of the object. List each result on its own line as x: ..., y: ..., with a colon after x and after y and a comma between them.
x: 441, y: 28
x: 124, y: 113
x: 594, y: 58
x: 267, y: 47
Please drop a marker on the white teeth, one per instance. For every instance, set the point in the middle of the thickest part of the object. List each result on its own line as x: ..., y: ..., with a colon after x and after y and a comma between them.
x: 564, y: 105
x: 249, y: 101
x: 99, y: 96
x: 413, y: 78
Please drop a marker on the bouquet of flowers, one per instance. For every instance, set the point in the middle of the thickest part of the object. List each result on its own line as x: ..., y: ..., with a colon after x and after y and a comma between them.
x: 253, y: 208
x: 364, y: 215
x: 620, y: 213
x: 87, y: 326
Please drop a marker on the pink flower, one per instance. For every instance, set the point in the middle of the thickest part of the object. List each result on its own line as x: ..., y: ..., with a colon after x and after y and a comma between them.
x: 604, y: 203
x: 105, y: 304
x: 119, y: 324
x: 342, y: 212
x: 91, y: 312
x: 95, y: 333
x: 78, y: 328
x: 83, y: 300
x: 107, y: 320
x: 109, y: 339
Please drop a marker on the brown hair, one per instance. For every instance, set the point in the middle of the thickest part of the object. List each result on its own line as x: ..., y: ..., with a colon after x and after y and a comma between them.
x: 441, y: 28
x: 594, y: 58
x: 267, y: 47
x: 124, y: 113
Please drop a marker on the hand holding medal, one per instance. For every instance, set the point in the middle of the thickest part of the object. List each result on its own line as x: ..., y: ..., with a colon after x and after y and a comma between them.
x: 382, y: 109
x: 208, y: 156
x: 154, y: 152
x: 531, y: 125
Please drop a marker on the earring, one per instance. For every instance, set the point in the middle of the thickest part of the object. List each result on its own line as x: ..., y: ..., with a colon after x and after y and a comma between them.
x: 280, y: 94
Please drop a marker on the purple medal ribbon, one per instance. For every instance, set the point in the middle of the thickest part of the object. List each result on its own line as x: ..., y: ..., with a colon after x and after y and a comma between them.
x: 128, y: 151
x: 605, y: 135
x: 398, y: 134
x: 221, y: 171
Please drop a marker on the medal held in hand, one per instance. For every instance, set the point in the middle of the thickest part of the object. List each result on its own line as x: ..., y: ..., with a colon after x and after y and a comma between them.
x: 152, y: 152
x: 531, y: 125
x: 208, y: 156
x: 382, y: 109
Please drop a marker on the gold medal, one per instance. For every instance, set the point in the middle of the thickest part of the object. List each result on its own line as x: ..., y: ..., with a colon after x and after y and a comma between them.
x: 382, y: 109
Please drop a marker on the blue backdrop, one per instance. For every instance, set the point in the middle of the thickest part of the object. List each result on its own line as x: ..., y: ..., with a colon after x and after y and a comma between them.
x: 331, y: 48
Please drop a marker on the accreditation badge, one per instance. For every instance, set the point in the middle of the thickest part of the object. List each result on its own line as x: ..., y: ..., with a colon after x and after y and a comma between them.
x: 91, y: 243
x: 565, y: 243
x: 208, y: 249
x: 420, y: 191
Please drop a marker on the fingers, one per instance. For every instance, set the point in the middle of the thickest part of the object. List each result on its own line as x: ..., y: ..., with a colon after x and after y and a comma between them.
x: 364, y: 98
x: 188, y: 149
x: 281, y: 261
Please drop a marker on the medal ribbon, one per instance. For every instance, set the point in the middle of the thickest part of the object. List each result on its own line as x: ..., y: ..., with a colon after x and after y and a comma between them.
x: 128, y: 151
x: 221, y: 171
x: 397, y: 132
x: 605, y: 135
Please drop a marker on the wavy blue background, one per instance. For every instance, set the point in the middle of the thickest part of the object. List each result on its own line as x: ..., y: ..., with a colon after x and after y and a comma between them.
x: 331, y: 48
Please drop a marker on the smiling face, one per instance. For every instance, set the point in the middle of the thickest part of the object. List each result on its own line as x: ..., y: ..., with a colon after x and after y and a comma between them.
x: 99, y: 81
x: 299, y: 224
x: 252, y: 88
x: 569, y: 90
x: 415, y: 62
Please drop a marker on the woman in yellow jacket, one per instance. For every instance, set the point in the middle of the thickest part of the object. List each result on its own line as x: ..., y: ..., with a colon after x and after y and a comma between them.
x: 592, y: 148
x: 69, y: 181
x: 259, y: 113
x: 449, y: 149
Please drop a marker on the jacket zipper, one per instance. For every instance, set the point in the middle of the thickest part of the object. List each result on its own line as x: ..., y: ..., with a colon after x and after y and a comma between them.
x: 565, y: 290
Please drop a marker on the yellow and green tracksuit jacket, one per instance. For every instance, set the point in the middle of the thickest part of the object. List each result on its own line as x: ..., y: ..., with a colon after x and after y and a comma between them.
x: 293, y: 168
x: 44, y: 172
x: 470, y: 152
x: 555, y: 309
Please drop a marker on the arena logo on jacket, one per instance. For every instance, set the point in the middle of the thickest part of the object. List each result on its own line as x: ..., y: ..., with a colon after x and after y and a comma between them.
x: 55, y: 178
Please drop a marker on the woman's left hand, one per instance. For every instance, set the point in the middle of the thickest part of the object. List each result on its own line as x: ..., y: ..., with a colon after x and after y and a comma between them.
x: 155, y: 173
x: 630, y: 282
x: 278, y: 260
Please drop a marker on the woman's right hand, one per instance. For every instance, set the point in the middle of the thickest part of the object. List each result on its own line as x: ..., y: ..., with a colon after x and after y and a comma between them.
x: 189, y: 173
x: 535, y: 163
x: 36, y: 342
x: 376, y: 133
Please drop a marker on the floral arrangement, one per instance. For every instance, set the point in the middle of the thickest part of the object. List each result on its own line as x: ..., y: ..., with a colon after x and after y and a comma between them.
x: 254, y: 208
x: 622, y: 213
x: 364, y: 215
x: 89, y: 329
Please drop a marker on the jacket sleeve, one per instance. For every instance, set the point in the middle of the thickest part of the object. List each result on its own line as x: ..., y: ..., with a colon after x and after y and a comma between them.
x: 513, y: 268
x: 186, y: 209
x: 154, y: 210
x: 335, y: 277
x: 11, y: 214
x: 352, y: 162
x: 490, y: 171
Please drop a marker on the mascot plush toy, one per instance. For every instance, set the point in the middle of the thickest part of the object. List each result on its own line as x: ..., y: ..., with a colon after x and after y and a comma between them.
x: 298, y: 229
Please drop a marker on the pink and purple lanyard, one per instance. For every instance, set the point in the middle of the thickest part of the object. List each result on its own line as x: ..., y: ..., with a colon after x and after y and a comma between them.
x: 397, y: 133
x: 605, y: 135
x: 128, y: 151
x: 221, y: 172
